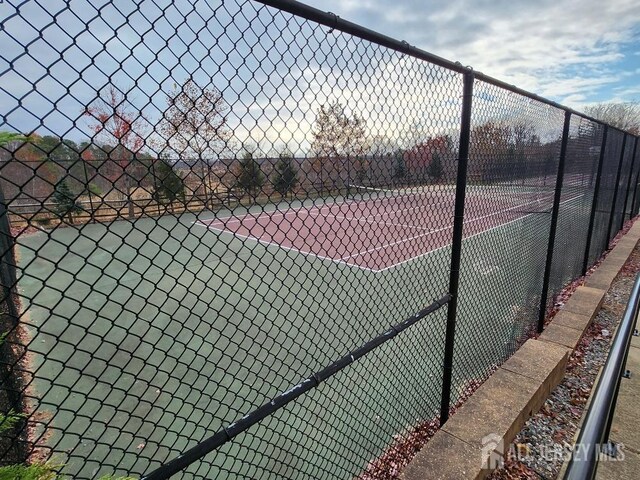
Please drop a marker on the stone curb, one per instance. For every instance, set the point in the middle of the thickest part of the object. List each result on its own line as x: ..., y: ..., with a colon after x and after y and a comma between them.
x: 471, y: 443
x: 622, y: 431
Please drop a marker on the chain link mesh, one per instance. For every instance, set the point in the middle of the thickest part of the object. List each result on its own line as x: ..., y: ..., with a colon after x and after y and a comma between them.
x: 623, y: 186
x: 513, y: 163
x: 204, y: 203
x: 610, y: 167
x: 633, y: 181
x: 578, y: 188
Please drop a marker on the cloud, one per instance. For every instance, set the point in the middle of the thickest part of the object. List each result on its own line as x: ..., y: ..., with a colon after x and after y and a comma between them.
x: 275, y: 70
x: 534, y: 45
x: 399, y: 97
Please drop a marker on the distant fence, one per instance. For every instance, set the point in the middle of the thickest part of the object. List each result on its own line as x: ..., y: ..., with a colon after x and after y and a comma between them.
x: 366, y: 231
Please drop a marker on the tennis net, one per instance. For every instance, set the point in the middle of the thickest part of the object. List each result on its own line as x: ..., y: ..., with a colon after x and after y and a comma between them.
x: 361, y: 192
x: 517, y: 198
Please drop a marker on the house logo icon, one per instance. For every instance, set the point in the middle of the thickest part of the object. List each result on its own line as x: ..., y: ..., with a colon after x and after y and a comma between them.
x: 492, y: 451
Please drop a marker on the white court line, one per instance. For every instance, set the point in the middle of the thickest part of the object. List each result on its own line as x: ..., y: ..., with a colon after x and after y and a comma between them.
x: 446, y: 201
x: 475, y: 219
x: 396, y: 212
x: 293, y: 249
x: 470, y: 236
x: 310, y: 208
x: 342, y: 259
x: 366, y: 220
x: 272, y: 213
x: 397, y: 242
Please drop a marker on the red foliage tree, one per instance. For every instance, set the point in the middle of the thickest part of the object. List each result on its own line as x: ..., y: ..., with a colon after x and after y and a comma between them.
x: 121, y: 130
x: 418, y: 158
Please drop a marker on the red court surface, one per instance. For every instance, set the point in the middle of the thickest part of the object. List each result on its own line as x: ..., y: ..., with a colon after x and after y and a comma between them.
x: 378, y: 234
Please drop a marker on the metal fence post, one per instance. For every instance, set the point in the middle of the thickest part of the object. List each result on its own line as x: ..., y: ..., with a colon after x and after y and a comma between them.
x: 615, y: 190
x: 634, y: 210
x: 636, y: 204
x: 626, y: 192
x: 635, y: 184
x: 7, y: 261
x: 8, y: 278
x: 86, y: 180
x: 594, y: 204
x: 456, y: 243
x: 554, y: 222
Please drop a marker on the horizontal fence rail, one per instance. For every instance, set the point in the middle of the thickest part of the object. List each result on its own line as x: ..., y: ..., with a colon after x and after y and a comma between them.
x: 313, y: 381
x: 209, y: 210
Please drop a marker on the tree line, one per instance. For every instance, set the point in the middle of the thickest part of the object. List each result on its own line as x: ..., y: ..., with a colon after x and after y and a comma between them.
x: 125, y: 151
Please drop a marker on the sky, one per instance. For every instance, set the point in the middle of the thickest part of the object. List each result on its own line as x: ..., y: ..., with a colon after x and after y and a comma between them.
x: 576, y: 52
x: 275, y: 70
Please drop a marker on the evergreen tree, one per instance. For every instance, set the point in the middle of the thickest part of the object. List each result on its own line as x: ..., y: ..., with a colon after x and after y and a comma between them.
x: 169, y: 187
x: 361, y: 166
x: 65, y: 201
x: 7, y: 137
x: 285, y: 175
x: 400, y: 168
x: 435, y: 169
x: 250, y: 178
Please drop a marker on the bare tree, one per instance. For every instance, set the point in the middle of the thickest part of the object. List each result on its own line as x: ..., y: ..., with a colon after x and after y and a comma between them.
x: 337, y: 136
x: 623, y: 115
x: 489, y: 146
x: 194, y: 125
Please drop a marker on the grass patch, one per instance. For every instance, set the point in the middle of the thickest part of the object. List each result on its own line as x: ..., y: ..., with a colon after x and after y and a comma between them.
x: 42, y: 471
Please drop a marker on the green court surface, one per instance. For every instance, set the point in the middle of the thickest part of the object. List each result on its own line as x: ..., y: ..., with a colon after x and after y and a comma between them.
x: 149, y: 336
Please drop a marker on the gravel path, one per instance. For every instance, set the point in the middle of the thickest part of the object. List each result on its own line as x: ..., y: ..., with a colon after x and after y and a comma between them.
x: 540, y: 449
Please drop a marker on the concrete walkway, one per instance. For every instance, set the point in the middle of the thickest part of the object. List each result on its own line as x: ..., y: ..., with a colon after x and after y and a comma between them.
x: 626, y: 423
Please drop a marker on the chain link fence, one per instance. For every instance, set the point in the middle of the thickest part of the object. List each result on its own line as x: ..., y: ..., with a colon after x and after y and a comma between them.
x: 242, y: 240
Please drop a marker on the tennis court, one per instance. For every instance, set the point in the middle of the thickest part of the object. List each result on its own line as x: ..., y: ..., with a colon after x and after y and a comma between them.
x: 224, y: 204
x: 381, y: 229
x: 160, y: 331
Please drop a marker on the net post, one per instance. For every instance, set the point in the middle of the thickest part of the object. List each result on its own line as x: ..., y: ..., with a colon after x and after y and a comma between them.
x: 554, y: 221
x: 615, y: 191
x: 626, y: 197
x: 594, y: 204
x: 456, y: 243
